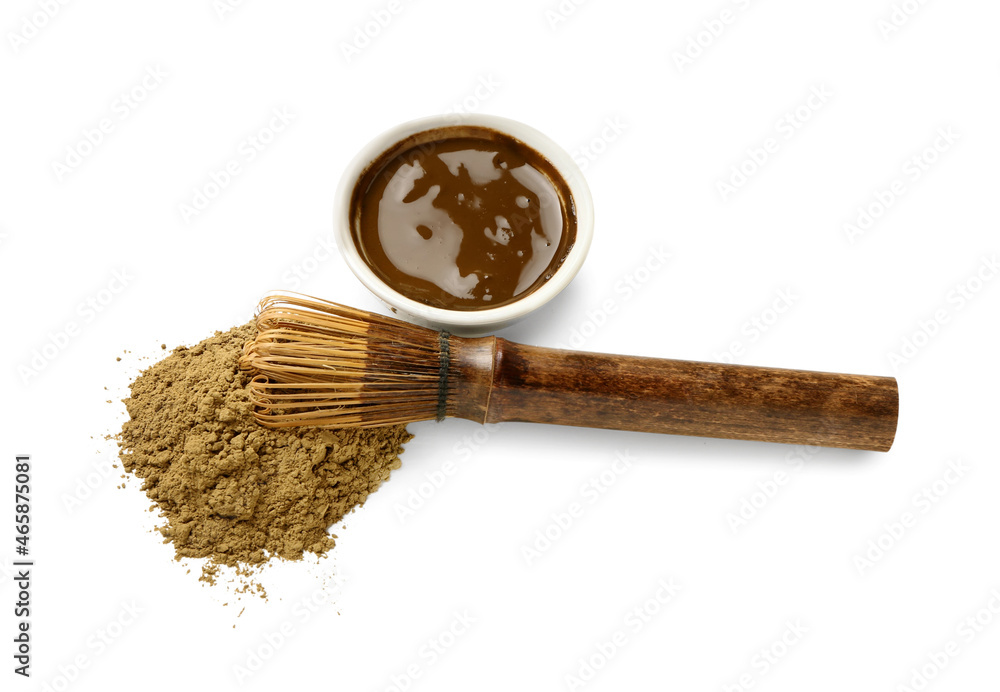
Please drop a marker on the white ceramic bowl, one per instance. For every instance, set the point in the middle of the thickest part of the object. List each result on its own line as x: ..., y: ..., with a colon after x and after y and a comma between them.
x: 465, y: 322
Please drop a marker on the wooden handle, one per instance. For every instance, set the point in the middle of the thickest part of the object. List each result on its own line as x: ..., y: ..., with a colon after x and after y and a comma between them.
x: 504, y: 381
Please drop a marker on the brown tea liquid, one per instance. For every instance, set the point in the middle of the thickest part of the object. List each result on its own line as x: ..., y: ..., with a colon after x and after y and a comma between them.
x: 463, y: 218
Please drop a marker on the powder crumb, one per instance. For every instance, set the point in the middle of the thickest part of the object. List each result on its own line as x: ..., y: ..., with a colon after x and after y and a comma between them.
x: 230, y: 490
x: 209, y: 571
x: 163, y: 346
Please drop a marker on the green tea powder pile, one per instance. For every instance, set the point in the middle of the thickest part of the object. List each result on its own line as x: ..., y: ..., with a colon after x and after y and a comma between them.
x: 228, y: 489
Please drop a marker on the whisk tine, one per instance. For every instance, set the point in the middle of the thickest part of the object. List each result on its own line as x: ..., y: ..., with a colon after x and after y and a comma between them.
x: 323, y: 364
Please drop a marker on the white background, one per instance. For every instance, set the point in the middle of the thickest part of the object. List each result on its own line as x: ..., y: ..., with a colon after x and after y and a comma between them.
x: 655, y: 180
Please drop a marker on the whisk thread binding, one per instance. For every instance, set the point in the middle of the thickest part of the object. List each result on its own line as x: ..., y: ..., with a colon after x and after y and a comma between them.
x: 445, y: 356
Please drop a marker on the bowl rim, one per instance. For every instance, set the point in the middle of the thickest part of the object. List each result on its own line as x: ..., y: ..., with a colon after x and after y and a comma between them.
x: 561, y: 277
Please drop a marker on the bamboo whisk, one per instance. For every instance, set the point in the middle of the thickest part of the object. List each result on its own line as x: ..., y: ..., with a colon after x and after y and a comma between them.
x: 316, y: 363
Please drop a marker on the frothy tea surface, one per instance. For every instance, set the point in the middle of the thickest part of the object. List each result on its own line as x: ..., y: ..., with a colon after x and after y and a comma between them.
x: 463, y: 218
